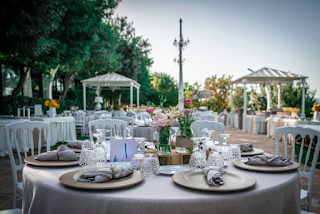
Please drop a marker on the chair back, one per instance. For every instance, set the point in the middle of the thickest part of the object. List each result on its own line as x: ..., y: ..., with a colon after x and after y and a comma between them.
x: 129, y: 120
x: 304, y: 133
x: 80, y: 113
x: 79, y: 120
x: 198, y: 114
x: 116, y: 127
x: 132, y: 114
x: 66, y: 113
x: 106, y: 116
x: 221, y: 119
x: 24, y: 131
x: 97, y: 117
x: 143, y: 115
x: 197, y: 127
x: 209, y: 118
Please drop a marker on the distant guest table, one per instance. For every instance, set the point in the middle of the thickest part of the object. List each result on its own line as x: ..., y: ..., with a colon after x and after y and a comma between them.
x: 143, y: 131
x: 88, y: 118
x: 276, y: 193
x: 62, y: 130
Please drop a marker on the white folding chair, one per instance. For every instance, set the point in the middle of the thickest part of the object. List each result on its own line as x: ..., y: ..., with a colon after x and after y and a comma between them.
x: 198, y: 114
x: 80, y: 123
x: 144, y: 114
x: 198, y: 126
x: 209, y: 118
x: 303, y: 132
x: 132, y: 114
x: 116, y: 127
x: 106, y: 116
x: 24, y: 129
x: 221, y: 119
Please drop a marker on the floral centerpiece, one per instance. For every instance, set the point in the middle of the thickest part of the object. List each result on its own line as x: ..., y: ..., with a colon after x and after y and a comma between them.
x: 74, y: 108
x: 316, y: 109
x: 161, y: 123
x: 184, y: 144
x: 150, y: 110
x: 53, y: 105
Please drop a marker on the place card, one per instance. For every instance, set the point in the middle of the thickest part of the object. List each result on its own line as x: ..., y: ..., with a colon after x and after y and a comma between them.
x: 123, y: 149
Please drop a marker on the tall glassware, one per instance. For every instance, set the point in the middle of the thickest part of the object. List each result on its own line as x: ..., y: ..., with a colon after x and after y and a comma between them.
x: 138, y: 156
x: 226, y: 152
x: 209, y: 143
x: 198, y: 157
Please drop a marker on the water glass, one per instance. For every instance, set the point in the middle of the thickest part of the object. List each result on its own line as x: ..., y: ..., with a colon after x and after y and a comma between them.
x: 236, y: 151
x: 198, y: 157
x: 215, y: 159
x: 129, y: 134
x: 150, y: 165
x: 88, y: 155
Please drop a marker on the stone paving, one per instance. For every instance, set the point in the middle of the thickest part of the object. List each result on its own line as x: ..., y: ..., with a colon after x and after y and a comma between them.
x: 259, y: 141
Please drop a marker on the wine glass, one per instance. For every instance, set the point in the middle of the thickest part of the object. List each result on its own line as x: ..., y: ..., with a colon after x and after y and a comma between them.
x: 226, y: 151
x: 129, y: 132
x: 198, y: 157
x: 209, y: 143
x: 138, y: 156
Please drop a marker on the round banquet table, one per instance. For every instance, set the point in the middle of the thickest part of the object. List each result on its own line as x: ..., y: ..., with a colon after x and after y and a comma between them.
x: 273, y: 193
x: 143, y: 131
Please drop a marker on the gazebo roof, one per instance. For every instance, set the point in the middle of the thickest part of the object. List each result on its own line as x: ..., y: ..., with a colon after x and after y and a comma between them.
x: 270, y: 76
x: 110, y: 80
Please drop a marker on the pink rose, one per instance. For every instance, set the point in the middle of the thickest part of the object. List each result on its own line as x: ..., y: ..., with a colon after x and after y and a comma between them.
x: 187, y: 101
x: 187, y: 111
x: 159, y: 120
x: 149, y: 110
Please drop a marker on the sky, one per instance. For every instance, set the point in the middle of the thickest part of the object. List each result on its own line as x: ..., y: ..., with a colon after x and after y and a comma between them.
x: 230, y: 36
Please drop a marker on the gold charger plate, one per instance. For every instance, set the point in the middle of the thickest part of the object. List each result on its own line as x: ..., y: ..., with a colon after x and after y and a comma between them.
x: 70, y: 179
x: 240, y: 164
x: 254, y: 152
x: 233, y: 181
x: 31, y: 160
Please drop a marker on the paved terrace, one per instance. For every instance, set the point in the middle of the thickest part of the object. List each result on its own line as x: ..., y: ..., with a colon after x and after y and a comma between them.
x: 259, y: 141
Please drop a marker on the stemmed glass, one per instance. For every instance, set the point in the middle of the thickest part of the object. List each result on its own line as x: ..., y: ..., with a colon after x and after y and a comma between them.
x: 209, y: 143
x: 138, y: 156
x: 198, y: 157
x: 174, y: 133
x: 226, y: 151
x: 129, y: 132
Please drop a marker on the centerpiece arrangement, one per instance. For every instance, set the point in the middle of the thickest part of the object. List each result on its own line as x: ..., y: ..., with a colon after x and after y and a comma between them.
x: 74, y: 108
x: 184, y: 144
x: 53, y: 105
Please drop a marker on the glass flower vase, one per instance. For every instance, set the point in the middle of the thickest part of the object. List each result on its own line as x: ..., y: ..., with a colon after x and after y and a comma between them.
x: 184, y: 144
x: 163, y: 145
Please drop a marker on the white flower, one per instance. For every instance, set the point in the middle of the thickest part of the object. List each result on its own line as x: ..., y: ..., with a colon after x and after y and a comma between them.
x: 158, y: 111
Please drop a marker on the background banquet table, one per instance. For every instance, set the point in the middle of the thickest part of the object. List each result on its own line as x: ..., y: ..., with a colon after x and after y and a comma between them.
x: 143, y: 131
x: 87, y: 119
x: 273, y: 193
x: 62, y: 130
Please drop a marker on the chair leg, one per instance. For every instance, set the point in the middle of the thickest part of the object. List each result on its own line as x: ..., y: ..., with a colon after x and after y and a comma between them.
x: 14, y: 197
x: 309, y: 202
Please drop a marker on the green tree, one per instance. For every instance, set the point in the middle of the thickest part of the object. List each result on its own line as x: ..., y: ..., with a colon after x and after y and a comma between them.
x: 25, y: 32
x: 221, y: 89
x: 164, y: 85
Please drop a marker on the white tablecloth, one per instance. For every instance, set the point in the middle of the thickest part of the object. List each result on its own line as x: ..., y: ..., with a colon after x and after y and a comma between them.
x: 276, y: 193
x: 259, y: 125
x: 143, y: 131
x: 87, y: 120
x: 62, y: 129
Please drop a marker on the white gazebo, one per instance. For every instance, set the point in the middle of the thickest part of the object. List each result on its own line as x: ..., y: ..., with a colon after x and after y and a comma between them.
x: 110, y: 81
x: 266, y: 77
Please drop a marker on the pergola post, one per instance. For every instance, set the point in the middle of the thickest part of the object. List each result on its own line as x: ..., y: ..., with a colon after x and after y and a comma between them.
x: 84, y: 97
x: 303, y: 115
x: 244, y: 115
x: 138, y: 103
x: 279, y: 95
x: 231, y: 99
x: 131, y: 97
x: 268, y: 97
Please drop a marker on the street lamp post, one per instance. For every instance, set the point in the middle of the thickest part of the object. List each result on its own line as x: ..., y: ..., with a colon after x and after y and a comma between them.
x: 181, y: 44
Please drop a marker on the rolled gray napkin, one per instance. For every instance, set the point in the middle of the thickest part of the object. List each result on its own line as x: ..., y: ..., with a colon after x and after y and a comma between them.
x: 213, y: 174
x: 246, y: 147
x: 279, y: 161
x: 75, y: 144
x: 64, y: 154
x: 105, y: 174
x: 257, y: 160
